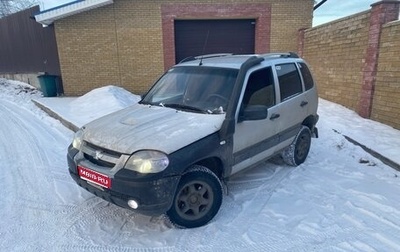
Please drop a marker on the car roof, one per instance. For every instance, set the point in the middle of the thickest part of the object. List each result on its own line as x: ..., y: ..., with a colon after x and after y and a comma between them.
x: 232, y: 61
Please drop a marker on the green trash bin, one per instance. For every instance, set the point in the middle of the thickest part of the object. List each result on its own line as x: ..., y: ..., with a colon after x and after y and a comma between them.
x: 48, y: 85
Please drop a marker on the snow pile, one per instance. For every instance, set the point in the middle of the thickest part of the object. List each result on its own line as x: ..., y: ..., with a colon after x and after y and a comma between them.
x: 105, y: 97
x: 18, y: 91
x: 100, y: 102
x: 94, y: 104
x: 21, y: 94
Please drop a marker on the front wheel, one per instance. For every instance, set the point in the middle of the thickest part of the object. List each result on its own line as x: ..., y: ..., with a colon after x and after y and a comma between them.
x: 197, y: 199
x: 297, y: 152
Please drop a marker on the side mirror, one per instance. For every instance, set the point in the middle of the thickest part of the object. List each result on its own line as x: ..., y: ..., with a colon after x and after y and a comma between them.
x: 253, y: 113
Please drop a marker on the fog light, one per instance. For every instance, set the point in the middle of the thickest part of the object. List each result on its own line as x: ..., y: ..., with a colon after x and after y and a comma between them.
x: 133, y: 204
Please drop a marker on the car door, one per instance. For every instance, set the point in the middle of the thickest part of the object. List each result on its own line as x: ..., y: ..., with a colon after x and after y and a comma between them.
x: 255, y: 140
x: 310, y: 90
x: 292, y: 103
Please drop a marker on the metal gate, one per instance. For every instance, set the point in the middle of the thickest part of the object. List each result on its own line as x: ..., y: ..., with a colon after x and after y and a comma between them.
x: 198, y: 37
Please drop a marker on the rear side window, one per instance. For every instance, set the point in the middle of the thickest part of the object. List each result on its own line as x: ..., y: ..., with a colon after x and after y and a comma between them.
x: 307, y: 77
x: 289, y: 80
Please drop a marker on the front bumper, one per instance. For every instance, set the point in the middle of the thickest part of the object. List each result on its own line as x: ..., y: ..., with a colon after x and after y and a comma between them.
x: 154, y: 195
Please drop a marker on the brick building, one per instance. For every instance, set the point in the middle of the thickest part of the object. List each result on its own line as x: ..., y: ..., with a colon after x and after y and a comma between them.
x: 130, y: 43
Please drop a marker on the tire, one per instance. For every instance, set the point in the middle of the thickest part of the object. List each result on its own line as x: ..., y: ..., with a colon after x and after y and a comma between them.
x: 297, y: 152
x: 197, y: 199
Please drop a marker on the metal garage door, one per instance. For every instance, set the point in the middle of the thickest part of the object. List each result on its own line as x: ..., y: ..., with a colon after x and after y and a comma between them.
x: 197, y: 37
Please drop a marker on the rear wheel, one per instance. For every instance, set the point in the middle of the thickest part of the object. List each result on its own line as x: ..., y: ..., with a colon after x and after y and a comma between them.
x: 197, y: 199
x: 297, y: 152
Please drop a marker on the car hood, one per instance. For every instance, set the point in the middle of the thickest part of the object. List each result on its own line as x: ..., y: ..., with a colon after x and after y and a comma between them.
x: 145, y: 127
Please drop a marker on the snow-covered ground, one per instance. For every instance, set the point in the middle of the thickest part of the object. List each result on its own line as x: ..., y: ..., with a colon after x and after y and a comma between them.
x: 340, y: 199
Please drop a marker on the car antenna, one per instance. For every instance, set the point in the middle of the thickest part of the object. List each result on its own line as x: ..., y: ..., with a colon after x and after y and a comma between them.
x: 204, y: 48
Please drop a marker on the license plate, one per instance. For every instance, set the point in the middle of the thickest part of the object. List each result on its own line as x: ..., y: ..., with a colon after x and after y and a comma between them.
x: 94, y: 177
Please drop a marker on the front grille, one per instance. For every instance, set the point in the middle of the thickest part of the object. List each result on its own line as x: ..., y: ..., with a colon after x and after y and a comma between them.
x: 98, y: 162
x: 100, y: 156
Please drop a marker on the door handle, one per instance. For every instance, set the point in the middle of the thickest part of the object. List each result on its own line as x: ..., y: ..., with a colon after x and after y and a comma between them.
x: 303, y: 103
x: 274, y: 116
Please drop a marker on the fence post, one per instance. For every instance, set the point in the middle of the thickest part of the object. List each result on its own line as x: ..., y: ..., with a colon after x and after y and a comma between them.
x: 300, y: 41
x: 381, y: 13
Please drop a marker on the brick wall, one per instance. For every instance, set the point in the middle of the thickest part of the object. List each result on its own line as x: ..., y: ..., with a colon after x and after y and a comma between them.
x: 335, y: 52
x: 288, y: 16
x: 355, y: 61
x: 88, y: 55
x: 139, y: 43
x: 386, y: 102
x: 122, y: 43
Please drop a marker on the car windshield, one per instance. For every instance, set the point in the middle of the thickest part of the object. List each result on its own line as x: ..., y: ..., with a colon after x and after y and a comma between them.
x: 196, y: 89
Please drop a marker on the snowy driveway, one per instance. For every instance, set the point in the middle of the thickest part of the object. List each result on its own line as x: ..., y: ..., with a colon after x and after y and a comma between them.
x: 340, y: 199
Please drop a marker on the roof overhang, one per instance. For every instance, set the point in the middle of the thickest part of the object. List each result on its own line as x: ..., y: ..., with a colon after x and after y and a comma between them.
x: 47, y: 17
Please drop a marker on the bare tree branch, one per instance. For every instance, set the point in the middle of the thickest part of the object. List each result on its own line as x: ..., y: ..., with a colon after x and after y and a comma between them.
x: 317, y: 5
x: 8, y: 7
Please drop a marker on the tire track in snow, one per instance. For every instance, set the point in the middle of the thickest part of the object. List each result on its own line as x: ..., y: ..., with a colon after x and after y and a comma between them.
x: 30, y: 181
x: 30, y: 170
x: 248, y: 193
x: 118, y: 226
x: 318, y: 227
x: 27, y: 176
x: 116, y: 229
x: 34, y: 165
x: 31, y: 155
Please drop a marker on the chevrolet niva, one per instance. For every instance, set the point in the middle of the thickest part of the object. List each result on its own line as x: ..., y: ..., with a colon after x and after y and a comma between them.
x: 204, y: 120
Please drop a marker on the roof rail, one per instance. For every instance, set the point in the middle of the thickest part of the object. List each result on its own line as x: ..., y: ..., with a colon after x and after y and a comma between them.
x: 206, y: 56
x: 282, y: 55
x: 190, y: 58
x: 214, y: 55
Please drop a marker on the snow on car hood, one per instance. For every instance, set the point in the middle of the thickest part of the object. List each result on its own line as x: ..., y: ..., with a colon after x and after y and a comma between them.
x: 141, y: 127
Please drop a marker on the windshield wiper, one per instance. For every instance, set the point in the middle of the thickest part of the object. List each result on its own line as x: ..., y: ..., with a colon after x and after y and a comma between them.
x: 152, y: 103
x: 185, y: 107
x: 146, y: 102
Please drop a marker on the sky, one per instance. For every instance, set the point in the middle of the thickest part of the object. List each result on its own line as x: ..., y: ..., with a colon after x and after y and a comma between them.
x: 335, y: 9
x: 331, y: 10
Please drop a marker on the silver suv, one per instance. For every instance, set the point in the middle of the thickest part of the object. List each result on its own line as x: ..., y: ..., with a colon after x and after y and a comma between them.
x: 205, y: 119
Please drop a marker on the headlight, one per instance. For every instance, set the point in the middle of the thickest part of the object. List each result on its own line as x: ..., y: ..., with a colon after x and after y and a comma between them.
x: 147, y: 162
x: 77, y: 142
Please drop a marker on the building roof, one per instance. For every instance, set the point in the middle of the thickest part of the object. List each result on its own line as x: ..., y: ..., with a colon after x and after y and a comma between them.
x: 47, y: 17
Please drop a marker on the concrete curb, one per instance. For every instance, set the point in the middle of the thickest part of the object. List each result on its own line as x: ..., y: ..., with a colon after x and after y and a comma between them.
x: 53, y: 114
x: 384, y: 159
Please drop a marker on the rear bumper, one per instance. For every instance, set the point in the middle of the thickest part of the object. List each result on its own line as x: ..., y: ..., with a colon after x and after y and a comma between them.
x: 154, y: 196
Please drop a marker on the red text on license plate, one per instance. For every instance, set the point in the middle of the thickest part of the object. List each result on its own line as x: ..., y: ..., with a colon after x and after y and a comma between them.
x: 94, y: 177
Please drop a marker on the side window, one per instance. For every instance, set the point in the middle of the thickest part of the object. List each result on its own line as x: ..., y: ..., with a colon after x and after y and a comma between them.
x: 289, y: 80
x: 260, y: 88
x: 307, y: 77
